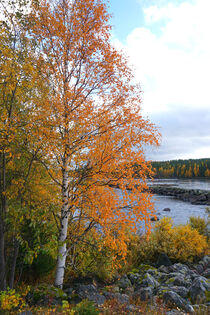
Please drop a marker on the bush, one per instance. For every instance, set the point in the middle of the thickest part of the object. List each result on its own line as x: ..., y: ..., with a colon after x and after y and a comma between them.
x: 92, y: 259
x: 86, y: 308
x: 198, y: 224
x: 10, y: 300
x: 201, y: 225
x: 181, y: 243
x: 187, y: 243
x: 43, y: 264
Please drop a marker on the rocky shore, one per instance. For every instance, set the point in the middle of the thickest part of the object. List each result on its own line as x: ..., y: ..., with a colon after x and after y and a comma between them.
x: 194, y: 196
x: 178, y: 285
x: 183, y: 288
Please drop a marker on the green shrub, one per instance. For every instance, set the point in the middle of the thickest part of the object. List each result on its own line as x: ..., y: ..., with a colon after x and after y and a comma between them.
x: 92, y: 259
x: 11, y: 300
x: 86, y: 308
x: 43, y: 264
x: 198, y: 224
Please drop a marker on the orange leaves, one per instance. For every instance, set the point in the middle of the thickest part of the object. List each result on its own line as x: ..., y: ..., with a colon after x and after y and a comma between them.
x: 89, y: 122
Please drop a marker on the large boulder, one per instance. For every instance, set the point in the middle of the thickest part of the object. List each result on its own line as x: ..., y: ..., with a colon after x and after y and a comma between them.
x: 172, y: 298
x: 182, y: 291
x: 90, y: 292
x: 133, y: 277
x: 163, y: 260
x: 124, y: 282
x: 198, y: 291
x: 149, y: 281
x: 121, y: 298
x: 144, y: 294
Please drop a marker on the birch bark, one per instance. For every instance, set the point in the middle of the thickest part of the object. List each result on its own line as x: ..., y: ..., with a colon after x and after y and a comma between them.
x: 62, y: 248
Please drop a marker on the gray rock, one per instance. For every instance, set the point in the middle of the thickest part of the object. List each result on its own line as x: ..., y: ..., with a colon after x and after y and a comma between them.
x: 131, y: 308
x: 122, y: 298
x: 206, y: 260
x: 91, y: 293
x: 133, y: 277
x: 204, y: 281
x: 181, y: 281
x: 153, y: 272
x: 167, y: 209
x: 69, y: 291
x: 124, y: 282
x: 199, y: 268
x: 129, y: 291
x: 172, y: 298
x: 206, y: 273
x: 182, y: 291
x: 198, y: 292
x: 163, y: 269
x: 144, y: 294
x: 174, y: 312
x: 149, y: 281
x: 163, y: 260
x: 180, y: 268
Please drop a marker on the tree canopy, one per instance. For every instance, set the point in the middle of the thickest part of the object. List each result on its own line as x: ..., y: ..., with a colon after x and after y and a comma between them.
x: 76, y: 128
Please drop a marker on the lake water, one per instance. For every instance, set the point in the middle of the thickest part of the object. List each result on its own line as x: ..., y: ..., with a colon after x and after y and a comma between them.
x: 180, y: 210
x: 183, y: 183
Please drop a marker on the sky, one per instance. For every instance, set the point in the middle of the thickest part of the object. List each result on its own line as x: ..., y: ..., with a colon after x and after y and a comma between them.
x: 168, y: 46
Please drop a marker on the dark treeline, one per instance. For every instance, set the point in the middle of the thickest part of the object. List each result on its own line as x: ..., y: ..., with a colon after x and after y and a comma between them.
x: 182, y: 168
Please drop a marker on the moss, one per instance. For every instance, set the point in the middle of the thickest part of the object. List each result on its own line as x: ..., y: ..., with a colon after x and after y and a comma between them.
x: 134, y: 270
x: 207, y: 296
x: 171, y: 280
x: 146, y: 267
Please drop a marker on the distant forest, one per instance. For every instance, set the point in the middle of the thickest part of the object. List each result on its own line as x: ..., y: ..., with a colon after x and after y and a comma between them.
x: 182, y: 168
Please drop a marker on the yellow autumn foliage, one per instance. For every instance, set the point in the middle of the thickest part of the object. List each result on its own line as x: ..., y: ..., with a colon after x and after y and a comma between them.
x: 181, y: 243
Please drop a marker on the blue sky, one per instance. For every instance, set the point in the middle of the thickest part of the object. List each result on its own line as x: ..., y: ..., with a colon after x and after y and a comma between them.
x: 168, y: 45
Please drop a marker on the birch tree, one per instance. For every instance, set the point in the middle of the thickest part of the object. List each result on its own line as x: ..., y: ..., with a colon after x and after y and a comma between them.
x: 91, y: 125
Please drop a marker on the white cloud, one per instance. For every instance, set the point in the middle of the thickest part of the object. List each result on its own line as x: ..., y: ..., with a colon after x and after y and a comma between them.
x: 171, y: 56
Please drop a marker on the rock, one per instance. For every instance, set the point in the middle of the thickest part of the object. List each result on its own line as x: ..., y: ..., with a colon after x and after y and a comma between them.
x: 163, y: 260
x: 174, y: 312
x: 133, y: 277
x: 131, y: 308
x: 149, y: 281
x: 69, y: 291
x: 182, y: 291
x: 124, y: 282
x: 154, y: 219
x: 90, y: 292
x: 129, y: 290
x: 199, y: 268
x: 206, y: 273
x: 180, y: 268
x: 163, y: 269
x: 198, y: 292
x: 144, y: 294
x: 26, y: 313
x: 122, y: 298
x: 116, y: 289
x: 172, y: 298
x: 167, y: 209
x: 206, y: 260
x: 180, y: 281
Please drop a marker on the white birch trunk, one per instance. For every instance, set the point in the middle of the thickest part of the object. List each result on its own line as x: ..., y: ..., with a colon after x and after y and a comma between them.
x: 62, y: 249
